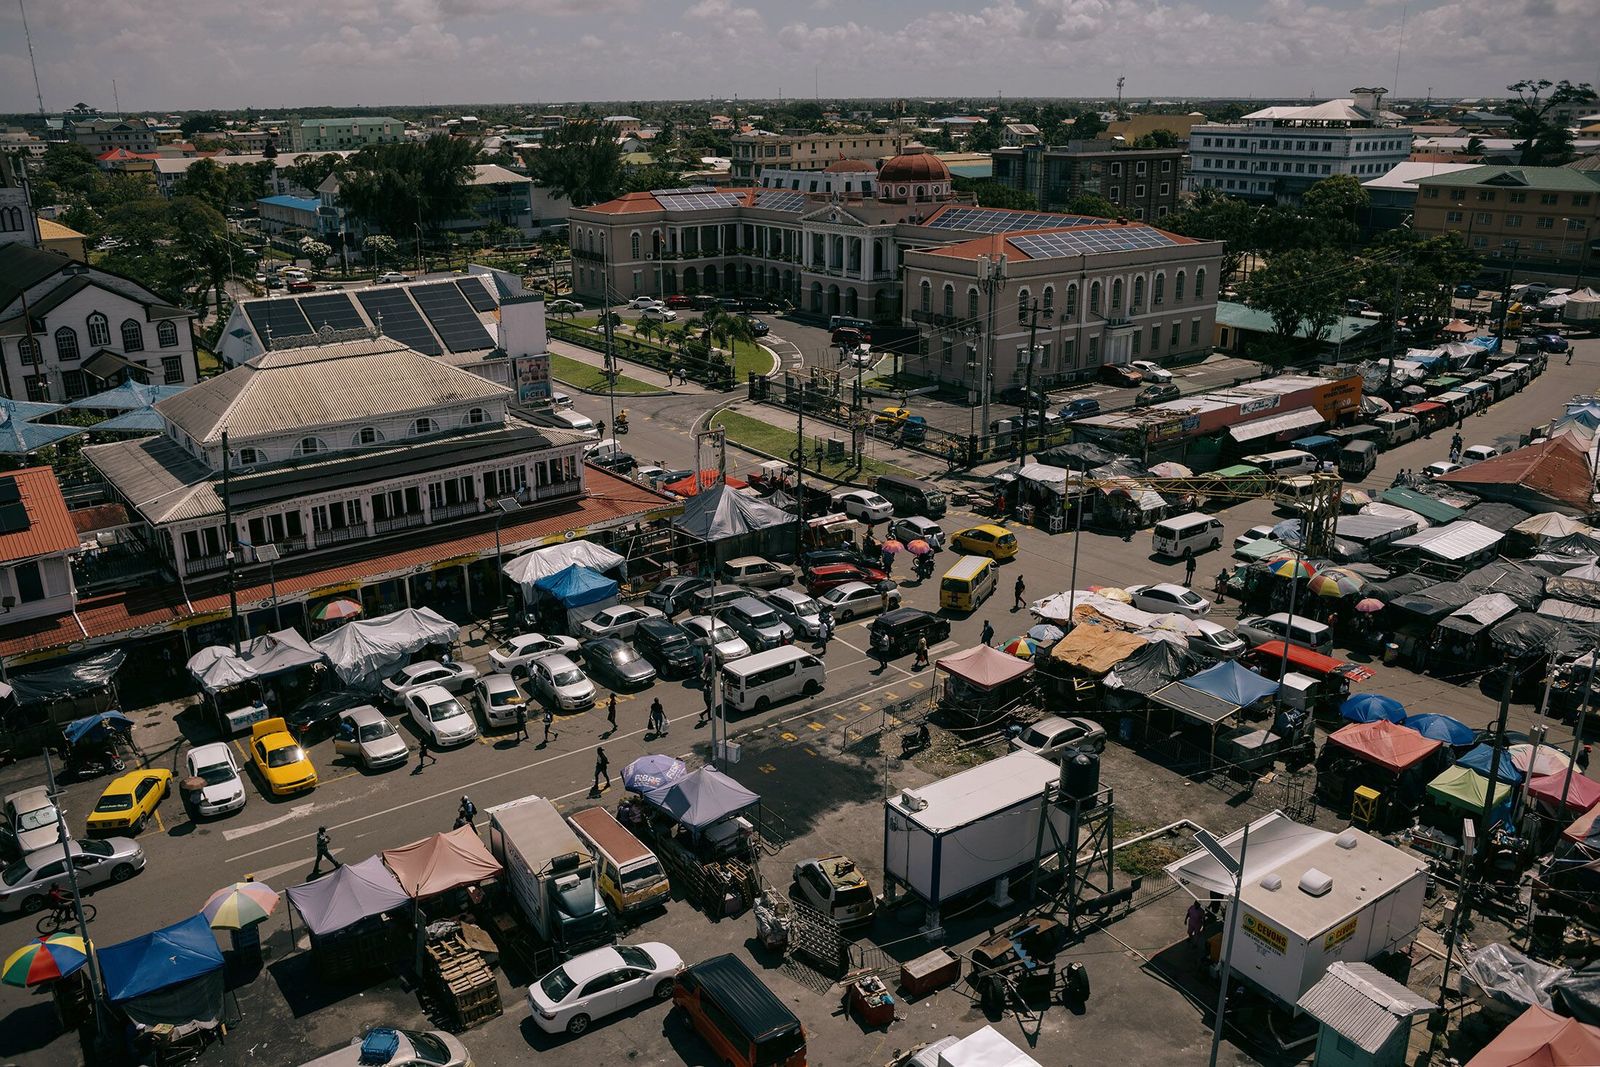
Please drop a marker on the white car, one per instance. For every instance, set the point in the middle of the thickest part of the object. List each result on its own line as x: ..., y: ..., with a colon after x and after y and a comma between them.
x: 1478, y: 453
x: 861, y: 356
x: 609, y: 448
x: 499, y: 698
x: 659, y: 314
x: 717, y: 636
x: 865, y: 504
x: 1215, y: 641
x: 31, y: 820
x: 602, y: 982
x: 1439, y: 469
x: 365, y: 735
x: 223, y: 790
x: 1255, y: 533
x: 618, y: 621
x: 413, y: 1048
x: 917, y: 527
x: 452, y: 676
x: 391, y: 276
x: 438, y: 713
x: 523, y: 649
x: 561, y: 682
x: 853, y: 599
x: 1052, y: 735
x: 1152, y: 372
x: 642, y: 303
x: 1166, y: 597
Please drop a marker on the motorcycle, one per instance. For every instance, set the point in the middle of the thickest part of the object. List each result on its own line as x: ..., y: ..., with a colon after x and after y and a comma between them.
x: 91, y: 761
x: 89, y: 746
x: 621, y: 424
x: 914, y: 741
x: 924, y: 567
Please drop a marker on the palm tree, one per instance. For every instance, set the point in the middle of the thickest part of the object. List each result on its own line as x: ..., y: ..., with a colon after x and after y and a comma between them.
x: 732, y: 330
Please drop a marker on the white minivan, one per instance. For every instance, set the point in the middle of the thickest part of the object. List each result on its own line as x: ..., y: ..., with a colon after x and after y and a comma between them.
x: 570, y: 420
x: 757, y: 682
x: 1184, y: 535
x: 1289, y: 461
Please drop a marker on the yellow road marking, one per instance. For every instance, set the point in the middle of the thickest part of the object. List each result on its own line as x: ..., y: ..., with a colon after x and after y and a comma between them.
x: 836, y: 715
x: 891, y: 696
x: 815, y: 726
x: 161, y: 826
x: 767, y: 768
x: 864, y: 707
x: 808, y: 750
x: 916, y: 685
x: 787, y: 736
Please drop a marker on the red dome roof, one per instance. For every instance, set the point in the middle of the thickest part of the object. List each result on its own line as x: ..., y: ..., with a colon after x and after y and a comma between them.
x: 916, y: 164
x: 850, y: 166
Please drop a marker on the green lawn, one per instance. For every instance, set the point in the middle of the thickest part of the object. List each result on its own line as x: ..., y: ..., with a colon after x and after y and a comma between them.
x: 773, y: 440
x: 582, y: 375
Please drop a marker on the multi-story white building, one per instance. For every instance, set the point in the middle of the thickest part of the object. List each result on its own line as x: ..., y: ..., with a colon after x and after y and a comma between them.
x: 1277, y: 153
x: 68, y: 329
x: 753, y: 153
x: 315, y: 135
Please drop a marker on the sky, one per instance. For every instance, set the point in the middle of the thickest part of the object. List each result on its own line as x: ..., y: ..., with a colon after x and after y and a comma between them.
x: 195, y: 54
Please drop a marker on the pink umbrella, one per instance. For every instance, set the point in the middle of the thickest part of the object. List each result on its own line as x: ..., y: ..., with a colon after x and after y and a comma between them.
x: 1369, y: 605
x: 892, y: 546
x: 919, y: 547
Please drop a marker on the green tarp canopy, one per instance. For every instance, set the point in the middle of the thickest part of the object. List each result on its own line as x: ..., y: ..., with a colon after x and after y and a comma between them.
x: 1262, y: 548
x: 1428, y: 507
x: 1465, y: 788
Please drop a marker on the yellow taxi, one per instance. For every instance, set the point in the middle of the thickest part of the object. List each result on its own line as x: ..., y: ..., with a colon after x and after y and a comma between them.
x: 283, y: 764
x: 986, y: 539
x: 892, y: 416
x: 129, y: 801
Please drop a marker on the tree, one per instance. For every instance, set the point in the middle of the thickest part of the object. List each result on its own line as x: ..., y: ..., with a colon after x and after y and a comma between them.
x: 309, y: 171
x: 994, y: 194
x: 396, y: 187
x: 315, y: 251
x: 581, y: 161
x: 1303, y: 289
x: 204, y: 122
x: 730, y: 330
x: 381, y: 247
x: 1159, y: 139
x: 1546, y: 140
x: 224, y: 187
x: 1334, y: 207
x: 1092, y: 204
x: 655, y: 176
x: 1409, y: 275
x: 1087, y: 126
x: 1212, y: 216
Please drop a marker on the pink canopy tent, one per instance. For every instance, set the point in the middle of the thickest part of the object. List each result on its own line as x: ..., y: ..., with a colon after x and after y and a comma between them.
x: 1391, y: 747
x: 1541, y: 1038
x: 1582, y: 794
x: 441, y: 863
x: 985, y: 668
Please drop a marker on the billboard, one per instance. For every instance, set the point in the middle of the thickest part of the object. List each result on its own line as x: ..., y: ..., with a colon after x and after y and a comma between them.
x: 531, y: 375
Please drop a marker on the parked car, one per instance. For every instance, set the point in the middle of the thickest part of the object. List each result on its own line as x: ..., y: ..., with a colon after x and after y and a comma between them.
x: 801, y: 612
x: 279, y: 759
x: 675, y: 594
x: 563, y: 307
x: 558, y: 681
x: 391, y: 276
x: 412, y: 1048
x: 854, y: 599
x: 760, y: 626
x: 1016, y: 394
x: 1156, y: 394
x: 618, y: 621
x: 616, y: 661
x: 866, y: 505
x: 986, y: 539
x: 25, y: 884
x: 709, y: 599
x: 222, y: 790
x: 440, y: 716
x: 1552, y: 342
x: 717, y: 636
x: 640, y: 303
x: 453, y: 676
x: 517, y: 652
x: 316, y: 718
x: 602, y: 982
x: 1255, y: 533
x: 1163, y: 597
x: 755, y: 572
x: 1053, y: 735
x: 615, y: 462
x: 668, y: 646
x: 367, y: 736
x: 1439, y: 469
x: 757, y: 327
x: 678, y: 300
x: 829, y: 575
x: 1079, y: 407
x: 1215, y: 641
x: 1464, y: 291
x: 835, y: 886
x: 1478, y: 453
x: 1153, y: 372
x: 916, y: 527
x: 1118, y: 374
x: 896, y: 632
x: 31, y: 820
x: 499, y: 697
x: 128, y: 803
x: 822, y: 557
x: 659, y: 314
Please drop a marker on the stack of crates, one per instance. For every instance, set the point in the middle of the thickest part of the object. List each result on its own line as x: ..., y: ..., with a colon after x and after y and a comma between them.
x: 467, y: 990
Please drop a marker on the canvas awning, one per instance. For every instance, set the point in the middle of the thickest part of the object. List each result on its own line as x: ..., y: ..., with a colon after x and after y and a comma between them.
x: 1479, y: 614
x: 1541, y: 1038
x: 1551, y: 525
x: 1255, y: 430
x: 216, y: 667
x: 1390, y: 746
x: 701, y: 798
x: 983, y: 667
x: 1233, y: 682
x: 529, y: 567
x: 67, y: 680
x: 721, y: 512
x: 1203, y: 707
x: 1582, y: 792
x: 441, y: 863
x: 1303, y: 659
x: 1564, y: 609
x: 1096, y: 649
x: 576, y: 586
x: 172, y: 975
x: 352, y: 892
x: 1430, y: 508
x: 1481, y: 759
x: 1464, y: 788
x: 366, y: 648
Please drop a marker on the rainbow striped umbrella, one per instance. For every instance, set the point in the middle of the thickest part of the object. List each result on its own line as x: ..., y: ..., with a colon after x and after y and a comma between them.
x: 240, y: 905
x: 1022, y: 647
x: 333, y: 610
x: 1336, y: 582
x: 1290, y: 567
x: 45, y: 960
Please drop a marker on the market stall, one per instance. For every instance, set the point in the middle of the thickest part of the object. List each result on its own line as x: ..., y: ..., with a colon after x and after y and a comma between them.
x: 733, y: 523
x: 353, y: 915
x: 1540, y: 1036
x: 1215, y: 699
x: 571, y: 595
x: 1389, y: 762
x: 700, y: 827
x: 268, y: 675
x: 35, y: 703
x: 168, y: 984
x: 983, y: 685
x: 441, y: 864
x: 364, y: 651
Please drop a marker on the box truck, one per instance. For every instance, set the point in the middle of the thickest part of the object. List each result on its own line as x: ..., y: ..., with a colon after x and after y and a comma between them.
x: 551, y: 874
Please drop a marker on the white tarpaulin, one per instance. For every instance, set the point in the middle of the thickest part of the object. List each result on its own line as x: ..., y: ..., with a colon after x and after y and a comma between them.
x: 1391, y: 511
x: 217, y: 668
x: 367, y: 649
x: 529, y: 567
x: 1056, y: 609
x: 985, y: 1048
x: 1275, y: 839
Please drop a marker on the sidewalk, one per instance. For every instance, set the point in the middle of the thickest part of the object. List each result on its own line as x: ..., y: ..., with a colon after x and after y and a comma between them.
x: 638, y: 371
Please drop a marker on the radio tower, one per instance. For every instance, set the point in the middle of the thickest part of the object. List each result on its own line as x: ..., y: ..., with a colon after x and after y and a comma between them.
x: 1120, y: 79
x: 37, y: 92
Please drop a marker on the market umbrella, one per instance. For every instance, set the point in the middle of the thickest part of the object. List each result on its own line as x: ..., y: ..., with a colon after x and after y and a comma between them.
x: 1046, y: 634
x: 1370, y: 707
x: 1538, y: 760
x: 45, y: 959
x: 1355, y: 498
x: 1021, y: 647
x: 1369, y: 605
x: 892, y: 546
x: 652, y: 772
x: 240, y: 905
x: 1171, y: 470
x: 1452, y: 732
x: 918, y: 547
x: 1335, y: 582
x: 1290, y: 567
x: 334, y: 610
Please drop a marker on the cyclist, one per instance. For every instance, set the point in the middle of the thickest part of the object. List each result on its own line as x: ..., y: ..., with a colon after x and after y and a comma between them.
x: 60, y: 899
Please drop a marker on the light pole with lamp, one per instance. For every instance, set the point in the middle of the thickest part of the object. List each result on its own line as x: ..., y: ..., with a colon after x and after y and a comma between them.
x: 64, y: 837
x: 992, y: 280
x: 1035, y: 309
x: 270, y: 555
x: 503, y: 506
x: 1583, y: 247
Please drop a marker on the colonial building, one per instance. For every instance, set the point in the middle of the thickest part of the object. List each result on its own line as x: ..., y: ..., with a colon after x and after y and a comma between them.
x: 503, y: 196
x: 37, y: 543
x: 17, y: 222
x: 1543, y: 218
x: 68, y: 329
x: 100, y: 136
x: 754, y: 152
x: 1142, y: 182
x: 329, y: 134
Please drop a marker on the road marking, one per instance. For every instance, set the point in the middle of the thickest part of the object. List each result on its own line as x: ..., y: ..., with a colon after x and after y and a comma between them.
x: 299, y: 811
x: 808, y: 750
x: 787, y: 736
x: 815, y: 726
x: 767, y: 768
x: 270, y: 872
x: 161, y: 827
x: 942, y: 645
x: 841, y: 718
x: 916, y: 685
x: 891, y: 695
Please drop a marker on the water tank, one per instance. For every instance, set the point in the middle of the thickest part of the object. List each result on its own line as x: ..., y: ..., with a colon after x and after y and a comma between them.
x: 1080, y: 774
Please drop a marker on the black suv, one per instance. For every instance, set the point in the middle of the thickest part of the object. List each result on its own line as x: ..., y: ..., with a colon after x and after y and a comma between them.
x: 897, y: 631
x: 668, y: 646
x: 821, y: 557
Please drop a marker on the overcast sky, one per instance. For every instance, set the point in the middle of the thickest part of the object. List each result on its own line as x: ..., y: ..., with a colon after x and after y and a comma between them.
x: 184, y: 54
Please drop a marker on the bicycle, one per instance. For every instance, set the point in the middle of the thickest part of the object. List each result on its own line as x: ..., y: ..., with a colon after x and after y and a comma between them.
x: 63, y: 917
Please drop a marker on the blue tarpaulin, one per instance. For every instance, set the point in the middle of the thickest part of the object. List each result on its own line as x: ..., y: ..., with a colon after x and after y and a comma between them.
x: 159, y: 959
x: 1488, y: 344
x: 702, y: 798
x: 98, y: 725
x: 1481, y: 758
x: 1452, y: 732
x: 576, y: 586
x: 1231, y: 682
x: 1370, y: 707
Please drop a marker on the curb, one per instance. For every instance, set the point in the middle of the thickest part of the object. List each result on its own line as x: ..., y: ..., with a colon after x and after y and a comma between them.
x: 607, y: 392
x: 704, y: 422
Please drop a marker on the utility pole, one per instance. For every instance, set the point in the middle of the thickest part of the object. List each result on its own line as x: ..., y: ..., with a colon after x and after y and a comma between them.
x: 800, y: 472
x: 992, y: 280
x: 26, y: 33
x: 1034, y: 311
x: 64, y: 835
x: 230, y: 543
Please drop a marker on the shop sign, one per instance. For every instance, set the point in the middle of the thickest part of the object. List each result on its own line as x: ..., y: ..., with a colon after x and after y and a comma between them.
x: 1265, y: 403
x: 1341, y: 933
x: 1266, y: 934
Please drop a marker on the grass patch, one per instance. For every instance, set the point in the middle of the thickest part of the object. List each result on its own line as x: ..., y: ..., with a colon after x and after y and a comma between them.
x: 582, y: 375
x: 208, y: 361
x: 1148, y: 858
x: 774, y: 440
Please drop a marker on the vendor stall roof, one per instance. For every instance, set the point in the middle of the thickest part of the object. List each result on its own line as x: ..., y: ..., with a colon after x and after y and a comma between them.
x: 1233, y: 682
x: 1481, y: 759
x: 1464, y: 788
x: 577, y: 585
x: 984, y: 667
x: 1550, y: 525
x: 1458, y: 540
x: 702, y: 798
x: 1582, y: 792
x: 367, y: 646
x: 1555, y: 472
x: 441, y: 863
x: 1388, y: 745
x: 1424, y: 505
x: 1362, y: 1004
x: 1563, y: 609
x: 350, y: 893
x: 1480, y: 612
x: 1096, y: 649
x: 529, y: 567
x: 217, y: 667
x: 159, y: 959
x: 976, y: 793
x: 1497, y: 515
x: 1305, y: 659
x: 1541, y: 1038
x: 1299, y: 419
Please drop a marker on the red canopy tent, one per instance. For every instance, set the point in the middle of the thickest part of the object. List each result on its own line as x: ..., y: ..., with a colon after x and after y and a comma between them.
x: 1390, y: 746
x: 1541, y: 1038
x: 1582, y: 826
x: 441, y: 863
x: 1582, y: 794
x: 984, y: 668
x: 1301, y: 658
x: 691, y: 485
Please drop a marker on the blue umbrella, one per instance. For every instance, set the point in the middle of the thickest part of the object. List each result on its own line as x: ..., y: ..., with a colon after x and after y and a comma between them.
x: 652, y: 772
x: 1370, y: 707
x: 1046, y: 634
x: 1452, y: 732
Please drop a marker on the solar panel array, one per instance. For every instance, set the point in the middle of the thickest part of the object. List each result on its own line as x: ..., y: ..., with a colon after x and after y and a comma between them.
x: 685, y: 189
x: 1091, y: 242
x: 476, y: 290
x: 453, y: 318
x: 781, y: 199
x: 392, y: 312
x: 699, y: 201
x: 331, y: 309
x: 13, y: 512
x: 995, y: 220
x: 276, y: 319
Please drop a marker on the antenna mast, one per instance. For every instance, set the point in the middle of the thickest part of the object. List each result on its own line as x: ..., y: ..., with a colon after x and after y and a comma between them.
x: 37, y: 92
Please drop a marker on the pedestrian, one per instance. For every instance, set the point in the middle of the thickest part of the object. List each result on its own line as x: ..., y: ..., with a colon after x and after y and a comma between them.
x: 600, y: 425
x: 522, y: 723
x: 658, y: 717
x: 825, y: 629
x: 705, y: 714
x: 549, y: 721
x: 1455, y: 443
x: 1222, y: 585
x: 1016, y: 594
x: 1461, y: 420
x: 1583, y: 758
x: 323, y: 853
x: 987, y: 636
x: 602, y: 768
x: 1188, y: 569
x: 424, y: 757
x: 888, y: 560
x: 1569, y: 355
x: 883, y: 597
x: 611, y: 713
x: 922, y: 651
x: 1194, y: 925
x: 466, y: 813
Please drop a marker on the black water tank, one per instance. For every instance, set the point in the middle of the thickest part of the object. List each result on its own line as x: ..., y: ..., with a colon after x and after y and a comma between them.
x: 1080, y: 774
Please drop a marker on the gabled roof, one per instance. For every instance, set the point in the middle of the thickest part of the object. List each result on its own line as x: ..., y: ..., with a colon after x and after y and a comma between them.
x: 1560, y: 179
x: 49, y: 525
x: 22, y: 267
x: 1556, y: 470
x: 1361, y: 1004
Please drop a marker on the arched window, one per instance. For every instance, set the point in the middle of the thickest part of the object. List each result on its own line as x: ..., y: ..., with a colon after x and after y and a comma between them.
x: 1177, y: 287
x: 926, y: 289
x: 633, y: 242
x: 477, y: 417
x: 166, y: 333
x: 422, y: 426
x: 249, y: 457
x: 972, y: 302
x: 11, y: 220
x: 367, y: 435
x: 310, y: 446
x: 1116, y: 294
x: 1094, y: 298
x: 1138, y: 291
x: 949, y: 300
x: 1023, y: 299
x: 132, y: 336
x: 1070, y: 309
x: 99, y: 331
x: 1049, y: 300
x: 28, y: 351
x: 67, y: 343
x: 1200, y: 284
x: 1158, y: 290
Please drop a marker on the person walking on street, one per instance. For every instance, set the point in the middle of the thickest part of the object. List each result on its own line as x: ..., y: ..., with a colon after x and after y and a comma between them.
x: 658, y: 717
x: 602, y: 768
x: 424, y: 757
x: 323, y: 853
x: 883, y: 596
x: 1016, y: 594
x: 922, y: 652
x: 611, y: 714
x: 466, y: 813
x: 549, y: 721
x: 522, y: 723
x: 1222, y: 585
x: 825, y: 629
x: 1194, y: 925
x: 705, y: 715
x: 987, y: 636
x: 600, y: 424
x: 1188, y: 569
x: 1569, y: 355
x: 1583, y: 758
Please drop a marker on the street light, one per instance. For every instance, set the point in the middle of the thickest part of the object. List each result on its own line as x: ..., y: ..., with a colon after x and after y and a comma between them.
x: 270, y: 555
x: 506, y: 505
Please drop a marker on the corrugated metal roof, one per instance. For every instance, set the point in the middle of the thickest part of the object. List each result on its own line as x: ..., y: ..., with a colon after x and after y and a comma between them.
x: 50, y: 528
x: 1299, y: 419
x: 1455, y: 541
x: 1361, y: 1004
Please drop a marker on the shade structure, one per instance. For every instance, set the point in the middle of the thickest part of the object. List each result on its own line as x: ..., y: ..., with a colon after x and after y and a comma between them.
x: 708, y: 478
x: 1582, y: 792
x: 652, y: 772
x: 1369, y: 605
x: 343, y: 608
x: 1541, y: 1038
x: 441, y: 863
x: 159, y: 959
x: 1370, y: 707
x: 1171, y: 470
x: 1392, y: 747
x: 240, y: 905
x: 363, y: 649
x: 1021, y: 647
x: 1464, y: 788
x: 1233, y: 682
x: 1290, y: 532
x: 1452, y: 732
x: 353, y: 892
x: 578, y: 585
x: 1290, y: 567
x: 1535, y: 761
x: 1046, y: 634
x: 96, y: 726
x: 702, y: 798
x: 1112, y: 592
x: 1481, y: 759
x: 1336, y: 582
x: 1355, y: 498
x: 44, y: 960
x: 983, y: 667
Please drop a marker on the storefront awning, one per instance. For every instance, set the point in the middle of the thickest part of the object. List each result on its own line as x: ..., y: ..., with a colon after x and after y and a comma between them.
x: 1299, y: 419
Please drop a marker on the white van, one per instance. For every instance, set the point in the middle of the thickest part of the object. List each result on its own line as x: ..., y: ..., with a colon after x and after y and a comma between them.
x: 571, y: 420
x: 1307, y: 633
x: 1186, y: 534
x: 757, y: 682
x: 1289, y: 461
x: 1398, y: 428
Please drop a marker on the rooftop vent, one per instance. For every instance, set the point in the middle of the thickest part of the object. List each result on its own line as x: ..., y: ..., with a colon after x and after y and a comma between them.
x: 1315, y: 883
x: 1272, y: 883
x: 1347, y: 840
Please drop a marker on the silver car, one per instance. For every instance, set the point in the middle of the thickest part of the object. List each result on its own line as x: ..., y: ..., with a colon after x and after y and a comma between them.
x: 716, y: 635
x: 367, y: 736
x: 25, y: 884
x: 801, y: 612
x: 559, y: 681
x: 499, y: 698
x: 453, y: 676
x: 413, y: 1048
x: 438, y: 713
x: 30, y: 820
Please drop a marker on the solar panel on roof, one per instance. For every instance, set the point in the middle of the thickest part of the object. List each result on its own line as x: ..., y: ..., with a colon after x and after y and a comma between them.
x: 9, y: 493
x: 998, y: 220
x: 453, y: 318
x: 392, y: 312
x: 331, y: 309
x: 1090, y: 242
x: 699, y: 201
x: 685, y: 189
x: 476, y: 290
x: 781, y: 199
x: 13, y: 518
x: 277, y: 319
